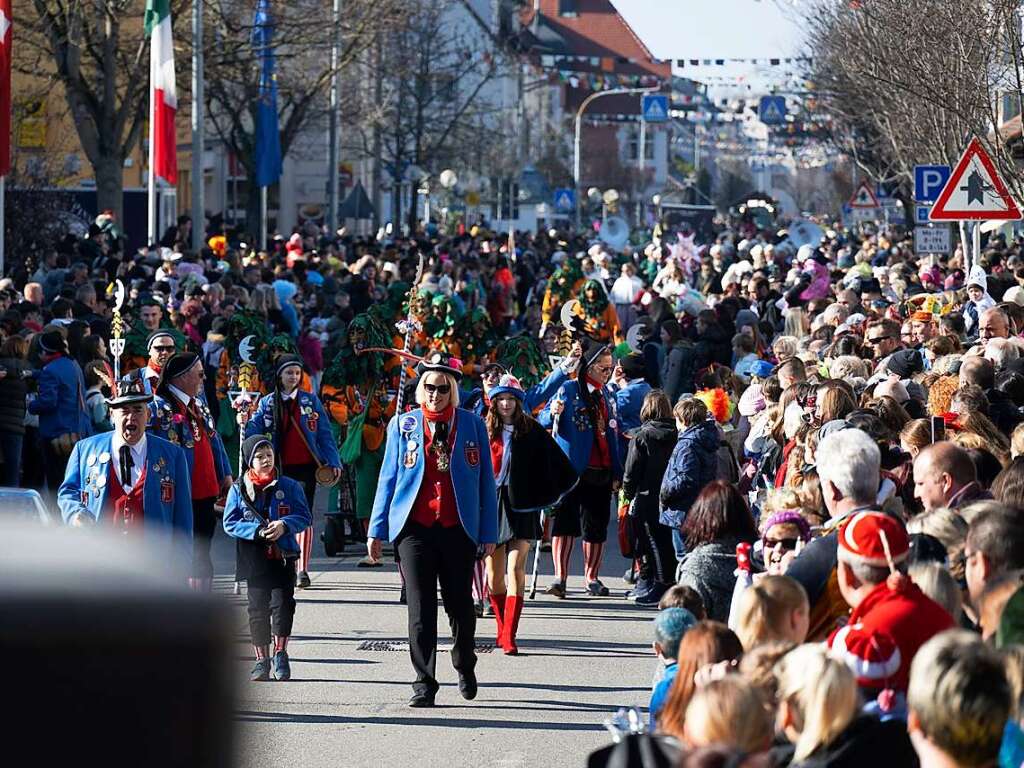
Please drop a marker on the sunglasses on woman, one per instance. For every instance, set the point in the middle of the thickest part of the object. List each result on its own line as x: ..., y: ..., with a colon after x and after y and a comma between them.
x: 440, y: 389
x: 787, y: 544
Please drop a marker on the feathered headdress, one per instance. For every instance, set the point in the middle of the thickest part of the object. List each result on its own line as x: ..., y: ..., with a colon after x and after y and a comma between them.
x: 718, y: 403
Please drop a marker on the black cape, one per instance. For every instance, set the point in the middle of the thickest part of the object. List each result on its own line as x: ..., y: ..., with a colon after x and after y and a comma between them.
x: 540, y: 475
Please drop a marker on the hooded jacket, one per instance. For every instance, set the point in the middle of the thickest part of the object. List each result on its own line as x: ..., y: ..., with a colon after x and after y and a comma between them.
x: 694, y: 464
x: 866, y: 741
x: 648, y: 457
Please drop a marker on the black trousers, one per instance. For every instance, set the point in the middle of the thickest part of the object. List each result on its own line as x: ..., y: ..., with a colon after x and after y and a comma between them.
x: 304, y: 475
x: 270, y: 609
x: 585, y: 510
x: 204, y: 521
x: 657, y: 554
x: 55, y: 467
x: 432, y: 556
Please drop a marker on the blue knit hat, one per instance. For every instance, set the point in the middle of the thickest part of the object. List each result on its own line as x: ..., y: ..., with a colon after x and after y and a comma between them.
x: 507, y: 385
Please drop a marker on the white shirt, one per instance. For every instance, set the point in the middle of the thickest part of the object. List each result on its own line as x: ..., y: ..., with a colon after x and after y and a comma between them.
x: 186, y: 400
x: 138, y: 460
x: 625, y: 290
x: 506, y: 455
x: 290, y: 396
x: 149, y: 373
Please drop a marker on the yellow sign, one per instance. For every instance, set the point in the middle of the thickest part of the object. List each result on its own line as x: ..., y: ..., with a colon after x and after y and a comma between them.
x: 32, y: 125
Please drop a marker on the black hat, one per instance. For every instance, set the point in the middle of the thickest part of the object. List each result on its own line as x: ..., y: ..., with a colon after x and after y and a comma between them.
x: 591, y: 351
x: 905, y: 363
x: 53, y: 342
x: 157, y: 334
x: 249, y: 446
x: 491, y: 365
x: 633, y: 366
x: 130, y: 391
x: 440, y: 363
x: 179, y: 363
x: 287, y: 361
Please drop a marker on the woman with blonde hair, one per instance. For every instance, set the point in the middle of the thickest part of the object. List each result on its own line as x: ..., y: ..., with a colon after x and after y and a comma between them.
x: 819, y: 714
x: 727, y: 711
x: 915, y: 435
x: 773, y: 609
x: 988, y: 435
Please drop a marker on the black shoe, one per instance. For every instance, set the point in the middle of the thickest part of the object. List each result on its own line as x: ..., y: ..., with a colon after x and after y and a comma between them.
x: 557, y: 589
x: 401, y: 596
x: 597, y: 589
x: 467, y: 685
x: 303, y: 580
x: 422, y: 700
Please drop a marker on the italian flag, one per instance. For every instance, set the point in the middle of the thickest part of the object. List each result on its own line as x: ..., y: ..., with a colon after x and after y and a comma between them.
x: 163, y: 96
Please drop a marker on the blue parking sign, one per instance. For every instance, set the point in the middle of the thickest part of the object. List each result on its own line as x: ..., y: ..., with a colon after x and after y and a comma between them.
x: 929, y: 181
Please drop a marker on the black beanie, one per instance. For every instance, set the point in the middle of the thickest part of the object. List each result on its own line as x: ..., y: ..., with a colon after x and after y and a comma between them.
x: 249, y: 446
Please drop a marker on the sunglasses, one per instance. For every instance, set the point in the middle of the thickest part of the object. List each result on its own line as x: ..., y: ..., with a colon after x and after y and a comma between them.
x: 440, y: 389
x: 877, y: 340
x: 787, y: 544
x: 163, y: 349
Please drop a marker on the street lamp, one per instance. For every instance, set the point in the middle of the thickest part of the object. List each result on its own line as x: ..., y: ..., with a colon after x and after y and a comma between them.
x: 448, y: 179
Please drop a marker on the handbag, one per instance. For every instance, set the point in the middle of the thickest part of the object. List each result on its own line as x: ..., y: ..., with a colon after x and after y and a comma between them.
x: 627, y: 535
x: 324, y: 474
x: 352, y: 447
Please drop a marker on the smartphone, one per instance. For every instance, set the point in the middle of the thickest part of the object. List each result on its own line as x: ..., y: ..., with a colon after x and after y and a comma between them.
x: 938, y: 429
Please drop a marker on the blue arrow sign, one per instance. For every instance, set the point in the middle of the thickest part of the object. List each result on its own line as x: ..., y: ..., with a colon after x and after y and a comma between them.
x: 565, y: 199
x: 772, y: 110
x: 929, y: 181
x: 655, y: 107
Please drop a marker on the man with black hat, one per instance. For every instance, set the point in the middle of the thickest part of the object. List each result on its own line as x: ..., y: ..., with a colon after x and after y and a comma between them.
x: 161, y: 345
x: 478, y: 400
x: 130, y: 481
x: 60, y: 406
x: 179, y: 413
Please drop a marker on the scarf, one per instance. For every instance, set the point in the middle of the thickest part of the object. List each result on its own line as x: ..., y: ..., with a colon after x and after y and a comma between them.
x: 260, y: 482
x: 441, y: 419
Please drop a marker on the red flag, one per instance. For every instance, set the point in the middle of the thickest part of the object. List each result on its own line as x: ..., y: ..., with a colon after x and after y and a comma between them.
x: 5, y: 86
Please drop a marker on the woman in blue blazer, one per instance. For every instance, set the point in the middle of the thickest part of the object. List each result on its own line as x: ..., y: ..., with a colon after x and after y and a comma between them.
x: 297, y: 423
x: 264, y: 513
x: 583, y: 419
x: 436, y: 500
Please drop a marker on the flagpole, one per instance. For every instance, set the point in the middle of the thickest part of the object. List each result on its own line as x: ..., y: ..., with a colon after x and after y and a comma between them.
x: 3, y: 201
x: 151, y: 188
x: 198, y: 132
x: 263, y: 218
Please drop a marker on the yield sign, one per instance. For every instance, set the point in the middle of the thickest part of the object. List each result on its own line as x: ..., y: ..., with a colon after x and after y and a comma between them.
x: 975, y: 190
x: 864, y: 197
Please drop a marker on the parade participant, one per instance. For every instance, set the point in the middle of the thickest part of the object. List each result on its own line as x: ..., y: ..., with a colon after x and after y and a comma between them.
x: 298, y: 425
x: 179, y: 413
x: 582, y: 416
x: 477, y: 340
x: 150, y: 318
x: 436, y: 500
x: 599, y: 319
x: 160, y: 345
x: 265, y: 511
x: 479, y: 399
x: 130, y: 481
x: 531, y: 473
x: 563, y: 285
x: 60, y: 406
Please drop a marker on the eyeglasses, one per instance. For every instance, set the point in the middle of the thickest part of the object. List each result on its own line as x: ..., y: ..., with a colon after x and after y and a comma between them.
x: 440, y: 389
x: 602, y: 368
x: 877, y: 340
x: 492, y: 373
x: 787, y: 544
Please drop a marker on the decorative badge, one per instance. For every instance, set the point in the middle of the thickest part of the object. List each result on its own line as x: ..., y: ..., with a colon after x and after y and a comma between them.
x: 613, y: 424
x: 283, y: 510
x: 472, y: 453
x: 166, y: 491
x: 104, y: 457
x: 407, y: 423
x: 410, y: 460
x: 91, y: 460
x: 279, y: 494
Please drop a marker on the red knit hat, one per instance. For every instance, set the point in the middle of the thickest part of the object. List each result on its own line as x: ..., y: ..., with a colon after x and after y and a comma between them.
x: 865, y: 537
x: 873, y: 657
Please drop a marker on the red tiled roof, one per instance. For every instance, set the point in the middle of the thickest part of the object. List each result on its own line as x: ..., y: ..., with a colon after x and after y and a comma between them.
x: 599, y: 31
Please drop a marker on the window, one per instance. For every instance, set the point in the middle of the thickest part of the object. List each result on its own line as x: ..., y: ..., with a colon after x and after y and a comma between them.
x: 567, y: 8
x: 633, y: 148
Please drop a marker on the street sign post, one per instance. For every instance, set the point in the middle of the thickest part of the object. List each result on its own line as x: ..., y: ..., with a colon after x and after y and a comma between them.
x: 565, y: 200
x: 975, y: 191
x: 932, y: 239
x: 929, y: 181
x: 654, y: 107
x: 771, y: 110
x: 864, y: 197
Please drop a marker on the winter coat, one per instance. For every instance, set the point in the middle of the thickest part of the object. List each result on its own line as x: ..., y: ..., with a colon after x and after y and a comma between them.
x: 540, y: 474
x: 866, y: 741
x: 649, y: 453
x: 678, y: 370
x: 13, y: 388
x: 710, y: 569
x: 714, y: 346
x: 693, y: 465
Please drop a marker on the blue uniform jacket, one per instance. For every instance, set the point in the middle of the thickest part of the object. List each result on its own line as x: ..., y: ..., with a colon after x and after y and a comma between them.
x: 287, y: 503
x: 313, y: 422
x: 536, y: 395
x: 60, y: 402
x: 163, y: 424
x: 166, y: 512
x: 575, y: 434
x: 472, y: 476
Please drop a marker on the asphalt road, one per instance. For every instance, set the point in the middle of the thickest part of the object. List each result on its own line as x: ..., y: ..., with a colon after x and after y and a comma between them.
x: 580, y: 660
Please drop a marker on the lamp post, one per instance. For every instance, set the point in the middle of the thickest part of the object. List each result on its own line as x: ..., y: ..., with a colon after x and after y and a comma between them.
x: 448, y: 179
x: 578, y: 136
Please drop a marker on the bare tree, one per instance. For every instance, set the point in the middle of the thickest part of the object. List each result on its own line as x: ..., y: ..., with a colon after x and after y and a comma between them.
x: 303, y: 35
x: 908, y: 81
x: 97, y: 52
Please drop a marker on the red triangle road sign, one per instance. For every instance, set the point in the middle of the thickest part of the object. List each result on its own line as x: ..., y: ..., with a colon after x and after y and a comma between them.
x: 975, y: 190
x: 864, y: 197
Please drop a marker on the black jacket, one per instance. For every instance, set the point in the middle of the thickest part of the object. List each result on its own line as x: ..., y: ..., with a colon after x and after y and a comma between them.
x: 1001, y: 410
x: 678, y: 370
x: 649, y: 452
x: 540, y: 474
x: 714, y: 346
x: 13, y: 388
x: 867, y: 741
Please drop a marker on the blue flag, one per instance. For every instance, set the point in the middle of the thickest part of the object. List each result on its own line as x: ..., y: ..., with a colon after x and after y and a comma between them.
x: 268, y: 139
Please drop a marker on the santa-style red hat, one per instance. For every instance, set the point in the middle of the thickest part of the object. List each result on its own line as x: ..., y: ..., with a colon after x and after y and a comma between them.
x: 873, y: 657
x: 865, y: 537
